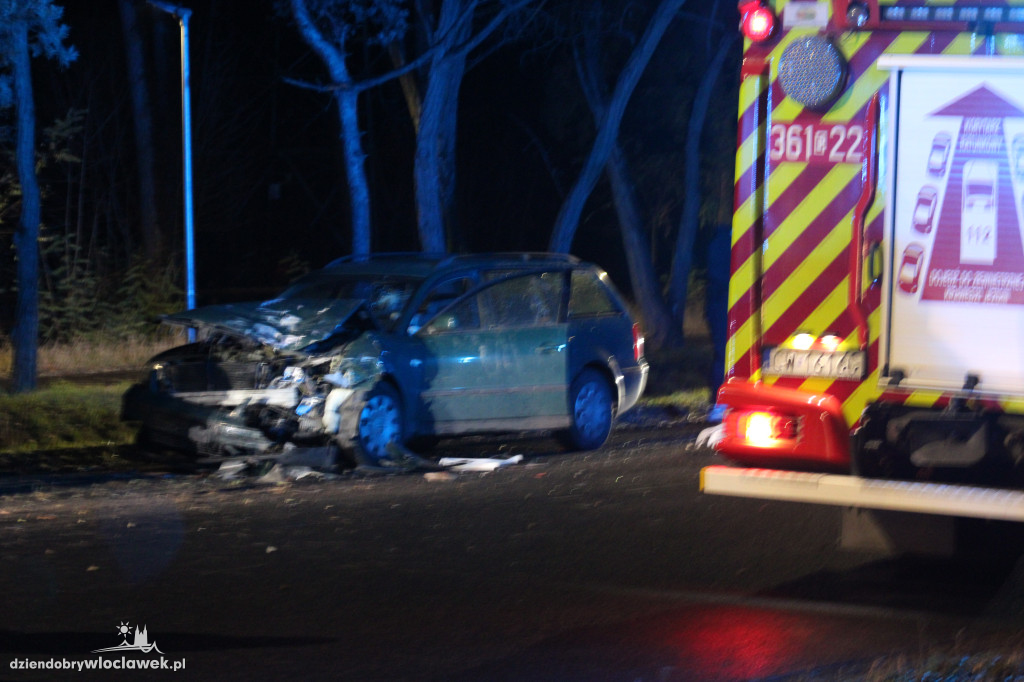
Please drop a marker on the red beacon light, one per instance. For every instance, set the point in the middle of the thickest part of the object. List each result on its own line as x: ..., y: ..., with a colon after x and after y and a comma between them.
x: 758, y: 22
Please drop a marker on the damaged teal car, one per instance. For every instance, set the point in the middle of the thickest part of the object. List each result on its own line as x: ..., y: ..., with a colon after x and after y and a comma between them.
x: 394, y: 349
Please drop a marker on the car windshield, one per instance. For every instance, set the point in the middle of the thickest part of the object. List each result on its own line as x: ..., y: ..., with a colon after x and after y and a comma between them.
x: 385, y: 295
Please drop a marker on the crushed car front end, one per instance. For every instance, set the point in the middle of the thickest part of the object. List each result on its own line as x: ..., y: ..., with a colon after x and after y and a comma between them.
x: 254, y: 388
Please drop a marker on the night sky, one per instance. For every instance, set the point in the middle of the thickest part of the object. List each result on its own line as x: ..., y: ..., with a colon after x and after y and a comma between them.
x: 269, y: 185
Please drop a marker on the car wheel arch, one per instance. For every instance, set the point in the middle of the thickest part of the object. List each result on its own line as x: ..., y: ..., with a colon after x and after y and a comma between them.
x: 607, y: 365
x: 349, y: 411
x: 372, y: 452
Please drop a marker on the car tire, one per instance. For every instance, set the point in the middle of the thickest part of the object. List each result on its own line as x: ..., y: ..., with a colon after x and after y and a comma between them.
x: 591, y: 410
x: 379, y: 427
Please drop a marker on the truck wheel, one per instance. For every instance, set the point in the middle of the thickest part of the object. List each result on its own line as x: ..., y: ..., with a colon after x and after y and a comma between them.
x: 379, y: 426
x: 592, y: 410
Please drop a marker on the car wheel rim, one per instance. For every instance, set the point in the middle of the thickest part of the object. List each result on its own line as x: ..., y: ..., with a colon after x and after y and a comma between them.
x: 378, y: 425
x: 592, y: 411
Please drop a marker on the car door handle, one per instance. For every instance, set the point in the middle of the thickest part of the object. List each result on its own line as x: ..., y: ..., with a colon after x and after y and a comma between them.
x: 547, y: 348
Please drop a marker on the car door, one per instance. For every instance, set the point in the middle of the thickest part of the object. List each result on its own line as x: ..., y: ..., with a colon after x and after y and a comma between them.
x: 498, y: 357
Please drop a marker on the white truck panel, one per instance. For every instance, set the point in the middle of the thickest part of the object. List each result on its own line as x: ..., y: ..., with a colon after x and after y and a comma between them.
x: 954, y: 300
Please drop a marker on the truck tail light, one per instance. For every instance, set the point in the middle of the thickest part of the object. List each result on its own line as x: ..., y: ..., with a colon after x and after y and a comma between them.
x: 758, y: 22
x: 638, y: 342
x: 767, y: 429
x: 769, y: 425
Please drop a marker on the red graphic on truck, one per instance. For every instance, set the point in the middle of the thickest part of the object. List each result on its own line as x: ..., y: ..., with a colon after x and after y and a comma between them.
x: 977, y: 255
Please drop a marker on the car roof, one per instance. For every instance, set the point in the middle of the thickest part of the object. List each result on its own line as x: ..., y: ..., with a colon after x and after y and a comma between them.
x: 423, y: 265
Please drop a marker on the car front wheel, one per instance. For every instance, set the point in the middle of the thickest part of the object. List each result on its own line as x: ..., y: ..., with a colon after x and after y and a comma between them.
x: 379, y: 427
x: 593, y: 410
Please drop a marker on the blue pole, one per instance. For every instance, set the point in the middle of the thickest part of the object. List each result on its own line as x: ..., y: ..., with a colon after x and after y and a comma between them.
x: 182, y: 14
x: 186, y: 137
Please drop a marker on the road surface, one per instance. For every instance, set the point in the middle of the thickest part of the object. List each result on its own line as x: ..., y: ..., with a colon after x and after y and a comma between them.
x: 567, y: 566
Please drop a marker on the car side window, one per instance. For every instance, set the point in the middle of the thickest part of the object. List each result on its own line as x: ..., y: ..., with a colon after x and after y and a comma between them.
x: 590, y: 296
x: 461, y: 317
x: 438, y: 298
x: 529, y: 300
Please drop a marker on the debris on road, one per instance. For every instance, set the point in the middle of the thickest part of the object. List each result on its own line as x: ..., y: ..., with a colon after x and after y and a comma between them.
x: 709, y: 437
x: 297, y: 464
x: 294, y: 464
x: 478, y: 463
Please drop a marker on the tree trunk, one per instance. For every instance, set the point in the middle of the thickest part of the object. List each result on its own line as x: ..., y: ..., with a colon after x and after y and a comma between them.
x: 410, y: 90
x: 355, y: 169
x: 658, y: 327
x: 435, y: 144
x: 690, y: 221
x: 143, y: 119
x: 608, y: 128
x: 346, y: 96
x: 25, y: 336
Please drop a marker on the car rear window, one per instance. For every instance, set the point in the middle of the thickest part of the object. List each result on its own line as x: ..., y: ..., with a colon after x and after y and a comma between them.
x: 590, y: 296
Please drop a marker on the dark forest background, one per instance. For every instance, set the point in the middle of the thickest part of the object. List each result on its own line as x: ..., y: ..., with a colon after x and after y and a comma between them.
x: 271, y: 195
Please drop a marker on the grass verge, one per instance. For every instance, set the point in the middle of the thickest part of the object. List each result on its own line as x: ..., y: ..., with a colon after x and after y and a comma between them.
x: 89, y: 357
x: 63, y: 415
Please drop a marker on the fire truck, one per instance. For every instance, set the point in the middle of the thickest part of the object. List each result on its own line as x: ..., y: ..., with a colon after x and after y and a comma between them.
x: 875, y: 353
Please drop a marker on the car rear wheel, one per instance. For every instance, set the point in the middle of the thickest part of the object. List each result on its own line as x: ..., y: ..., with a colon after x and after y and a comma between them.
x: 593, y: 410
x: 379, y: 427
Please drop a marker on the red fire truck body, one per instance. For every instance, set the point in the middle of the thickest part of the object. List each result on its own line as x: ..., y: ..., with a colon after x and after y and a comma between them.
x: 876, y: 301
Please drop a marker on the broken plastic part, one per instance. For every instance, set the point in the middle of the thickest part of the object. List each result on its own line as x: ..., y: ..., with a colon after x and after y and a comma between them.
x: 478, y: 463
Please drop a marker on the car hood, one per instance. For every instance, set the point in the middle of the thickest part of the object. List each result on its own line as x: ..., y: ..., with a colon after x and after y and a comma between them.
x: 283, y: 324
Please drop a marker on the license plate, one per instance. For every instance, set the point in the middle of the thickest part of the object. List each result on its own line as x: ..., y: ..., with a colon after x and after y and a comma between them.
x: 789, y: 362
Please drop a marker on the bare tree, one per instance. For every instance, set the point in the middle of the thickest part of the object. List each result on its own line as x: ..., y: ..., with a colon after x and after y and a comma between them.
x: 330, y: 28
x: 142, y: 117
x: 692, y: 198
x: 657, y: 319
x: 27, y: 27
x: 608, y: 127
x: 450, y: 39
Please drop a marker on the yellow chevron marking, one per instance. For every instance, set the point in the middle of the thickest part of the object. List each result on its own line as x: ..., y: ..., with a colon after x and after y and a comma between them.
x: 868, y: 389
x: 782, y: 176
x: 861, y: 396
x: 828, y: 310
x: 751, y: 89
x: 746, y: 153
x: 923, y: 398
x: 793, y: 225
x: 824, y: 252
x: 743, y: 275
x: 740, y: 343
x: 963, y: 44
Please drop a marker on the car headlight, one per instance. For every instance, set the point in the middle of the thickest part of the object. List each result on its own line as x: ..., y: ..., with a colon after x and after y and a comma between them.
x: 352, y: 371
x: 158, y: 381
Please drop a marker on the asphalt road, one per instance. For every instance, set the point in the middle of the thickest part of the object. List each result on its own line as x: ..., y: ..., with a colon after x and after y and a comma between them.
x: 600, y: 566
